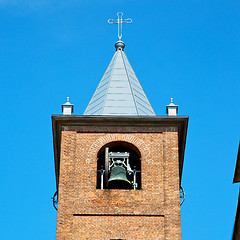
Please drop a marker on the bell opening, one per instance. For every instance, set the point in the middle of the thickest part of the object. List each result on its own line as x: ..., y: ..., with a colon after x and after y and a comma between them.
x: 124, y: 169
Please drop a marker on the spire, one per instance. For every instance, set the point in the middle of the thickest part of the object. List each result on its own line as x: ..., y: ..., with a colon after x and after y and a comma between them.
x: 119, y: 91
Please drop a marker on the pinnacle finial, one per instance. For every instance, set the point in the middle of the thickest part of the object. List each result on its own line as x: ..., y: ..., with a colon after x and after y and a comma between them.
x: 120, y: 21
x: 67, y: 108
x: 172, y: 109
x: 119, y: 45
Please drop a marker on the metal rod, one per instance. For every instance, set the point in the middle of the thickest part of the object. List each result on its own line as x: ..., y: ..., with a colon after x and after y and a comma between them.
x: 102, y: 173
x: 106, y: 166
x: 134, y: 179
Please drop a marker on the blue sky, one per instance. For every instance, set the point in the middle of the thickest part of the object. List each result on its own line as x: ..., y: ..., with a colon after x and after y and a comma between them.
x: 188, y: 50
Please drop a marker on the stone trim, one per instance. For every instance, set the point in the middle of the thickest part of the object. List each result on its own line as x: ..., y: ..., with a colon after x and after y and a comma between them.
x: 99, y: 143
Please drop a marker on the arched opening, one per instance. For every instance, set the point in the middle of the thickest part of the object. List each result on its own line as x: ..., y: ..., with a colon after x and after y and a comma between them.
x: 119, y: 166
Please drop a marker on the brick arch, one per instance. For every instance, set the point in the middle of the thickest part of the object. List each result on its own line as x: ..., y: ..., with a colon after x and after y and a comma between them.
x: 99, y: 143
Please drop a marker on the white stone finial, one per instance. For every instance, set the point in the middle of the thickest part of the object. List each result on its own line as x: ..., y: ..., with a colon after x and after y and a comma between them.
x: 67, y: 108
x: 172, y: 109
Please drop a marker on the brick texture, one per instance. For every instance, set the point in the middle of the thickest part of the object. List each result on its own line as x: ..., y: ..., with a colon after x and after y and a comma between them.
x: 85, y: 212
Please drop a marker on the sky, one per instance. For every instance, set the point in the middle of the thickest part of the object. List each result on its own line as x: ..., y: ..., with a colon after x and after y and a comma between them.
x: 188, y: 50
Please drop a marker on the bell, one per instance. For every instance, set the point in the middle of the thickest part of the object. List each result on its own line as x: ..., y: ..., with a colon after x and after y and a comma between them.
x: 118, y: 178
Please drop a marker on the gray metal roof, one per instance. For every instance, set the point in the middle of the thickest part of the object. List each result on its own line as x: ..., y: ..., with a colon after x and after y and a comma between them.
x: 119, y: 91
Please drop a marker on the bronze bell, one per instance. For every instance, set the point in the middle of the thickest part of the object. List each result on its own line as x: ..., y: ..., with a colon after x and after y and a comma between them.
x: 118, y: 178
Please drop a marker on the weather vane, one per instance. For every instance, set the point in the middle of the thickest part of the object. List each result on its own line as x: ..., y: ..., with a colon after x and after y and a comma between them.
x: 120, y: 21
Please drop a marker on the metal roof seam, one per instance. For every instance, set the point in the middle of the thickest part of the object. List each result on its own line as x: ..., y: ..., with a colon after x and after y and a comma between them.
x: 99, y: 84
x: 129, y: 83
x: 111, y: 74
x: 140, y: 86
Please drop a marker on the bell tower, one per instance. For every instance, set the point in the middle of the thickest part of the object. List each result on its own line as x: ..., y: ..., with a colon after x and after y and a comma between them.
x: 119, y: 166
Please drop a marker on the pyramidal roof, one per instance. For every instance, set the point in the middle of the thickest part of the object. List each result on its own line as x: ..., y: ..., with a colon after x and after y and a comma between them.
x: 119, y: 91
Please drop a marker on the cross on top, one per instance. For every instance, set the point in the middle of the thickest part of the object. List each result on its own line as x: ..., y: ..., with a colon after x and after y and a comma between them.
x: 120, y: 21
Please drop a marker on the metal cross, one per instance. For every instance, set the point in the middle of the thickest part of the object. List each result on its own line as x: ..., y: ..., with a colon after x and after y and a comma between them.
x: 120, y: 21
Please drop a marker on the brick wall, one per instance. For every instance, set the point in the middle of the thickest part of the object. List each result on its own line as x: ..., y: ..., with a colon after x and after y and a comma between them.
x: 85, y: 212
